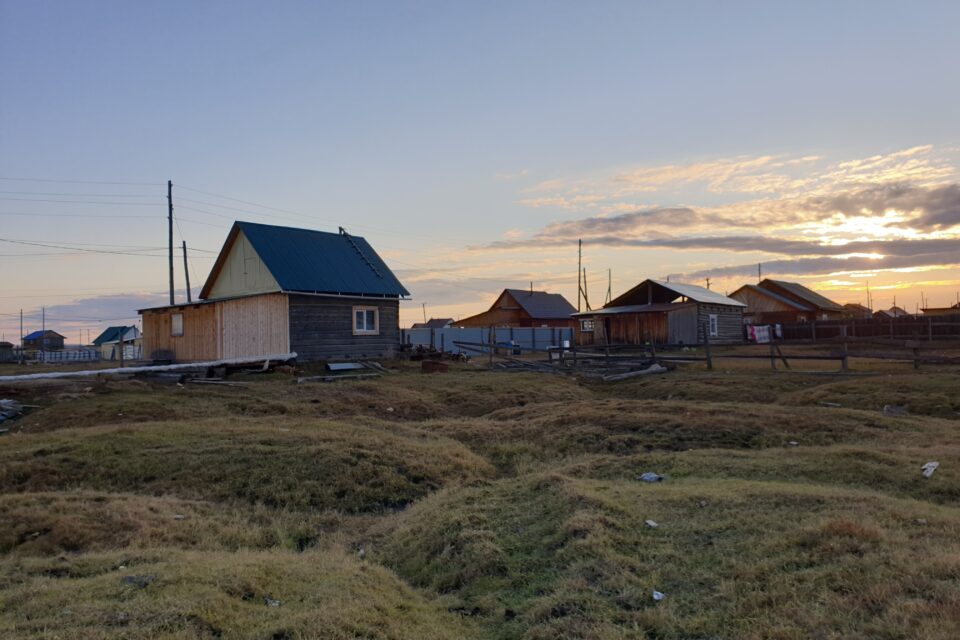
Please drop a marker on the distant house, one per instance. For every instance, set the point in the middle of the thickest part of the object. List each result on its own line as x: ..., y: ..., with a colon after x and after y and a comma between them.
x: 275, y: 290
x: 43, y: 341
x: 857, y: 311
x: 433, y: 323
x: 942, y: 311
x: 108, y: 342
x: 6, y: 352
x: 663, y: 313
x: 891, y: 313
x: 778, y: 301
x: 524, y: 308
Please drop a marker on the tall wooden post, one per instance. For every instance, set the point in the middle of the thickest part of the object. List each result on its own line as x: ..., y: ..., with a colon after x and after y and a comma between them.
x: 170, y: 234
x: 706, y: 347
x: 186, y: 272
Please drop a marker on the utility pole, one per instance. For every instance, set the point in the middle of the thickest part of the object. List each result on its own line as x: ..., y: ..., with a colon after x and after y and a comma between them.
x: 586, y: 300
x: 186, y: 271
x: 424, y: 306
x: 708, y: 283
x: 759, y: 272
x: 170, y: 234
x: 579, y: 267
x: 43, y: 325
x: 609, y: 287
x: 21, y: 337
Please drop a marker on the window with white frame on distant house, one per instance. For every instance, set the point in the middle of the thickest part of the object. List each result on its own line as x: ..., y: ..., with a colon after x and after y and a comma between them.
x: 586, y: 326
x: 366, y: 321
x: 176, y: 324
x: 714, y: 325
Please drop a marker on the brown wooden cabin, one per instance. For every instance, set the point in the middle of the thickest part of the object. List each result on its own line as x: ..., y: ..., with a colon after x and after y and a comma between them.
x: 524, y: 308
x: 48, y: 340
x: 942, y: 311
x: 764, y: 306
x: 662, y: 313
x: 276, y: 290
x: 857, y: 311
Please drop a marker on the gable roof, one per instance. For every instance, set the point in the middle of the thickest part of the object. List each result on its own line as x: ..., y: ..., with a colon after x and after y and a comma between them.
x: 855, y: 306
x: 40, y: 334
x: 304, y: 260
x: 541, y: 305
x: 773, y: 295
x: 677, y: 289
x: 110, y: 334
x: 802, y: 292
x: 435, y: 323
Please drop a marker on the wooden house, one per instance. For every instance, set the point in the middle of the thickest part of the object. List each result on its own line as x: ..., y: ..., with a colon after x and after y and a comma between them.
x: 524, y: 308
x: 857, y: 311
x: 113, y: 339
x: 43, y: 341
x: 433, y: 323
x: 781, y: 302
x: 891, y: 313
x: 663, y: 313
x: 6, y: 352
x: 275, y: 290
x: 935, y: 312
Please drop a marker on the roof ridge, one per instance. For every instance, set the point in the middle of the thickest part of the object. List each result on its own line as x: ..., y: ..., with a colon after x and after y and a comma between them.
x: 343, y: 232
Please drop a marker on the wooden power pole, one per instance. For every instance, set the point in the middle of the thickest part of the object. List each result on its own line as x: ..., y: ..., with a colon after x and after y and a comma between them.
x: 170, y: 234
x: 186, y: 271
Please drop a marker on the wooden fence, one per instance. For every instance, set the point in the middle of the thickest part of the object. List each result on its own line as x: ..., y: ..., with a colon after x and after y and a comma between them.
x: 906, y: 328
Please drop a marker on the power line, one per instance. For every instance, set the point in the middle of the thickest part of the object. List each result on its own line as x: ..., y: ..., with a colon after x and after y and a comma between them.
x: 138, y: 184
x: 69, y: 215
x: 84, y: 195
x: 124, y: 204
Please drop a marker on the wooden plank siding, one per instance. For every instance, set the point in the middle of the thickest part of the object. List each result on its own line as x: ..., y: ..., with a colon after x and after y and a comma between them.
x: 254, y: 326
x: 321, y: 328
x: 763, y: 309
x: 198, y: 342
x: 729, y: 323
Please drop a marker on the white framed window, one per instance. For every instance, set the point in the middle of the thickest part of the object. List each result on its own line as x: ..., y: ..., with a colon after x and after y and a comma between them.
x: 586, y: 326
x: 366, y: 321
x: 176, y: 324
x: 714, y: 325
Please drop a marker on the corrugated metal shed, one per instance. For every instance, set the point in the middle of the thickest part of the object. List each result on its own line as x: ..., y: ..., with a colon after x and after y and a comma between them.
x: 304, y: 260
x: 541, y: 305
x: 804, y: 293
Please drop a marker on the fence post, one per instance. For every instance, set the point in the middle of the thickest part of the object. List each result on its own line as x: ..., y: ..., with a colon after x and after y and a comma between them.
x: 443, y: 341
x: 891, y: 328
x: 843, y: 362
x: 706, y: 347
x: 813, y: 330
x: 490, y: 345
x: 773, y: 357
x: 930, y: 329
x: 916, y: 357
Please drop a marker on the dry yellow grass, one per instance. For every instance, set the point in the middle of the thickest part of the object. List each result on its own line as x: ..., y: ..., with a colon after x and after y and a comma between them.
x: 487, y: 505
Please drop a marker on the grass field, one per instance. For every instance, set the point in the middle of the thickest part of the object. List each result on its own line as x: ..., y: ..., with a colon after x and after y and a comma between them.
x: 480, y: 504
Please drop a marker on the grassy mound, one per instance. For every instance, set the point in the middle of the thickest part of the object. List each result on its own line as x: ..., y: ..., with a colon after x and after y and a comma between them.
x: 82, y: 521
x: 293, y: 463
x: 214, y: 594
x: 559, y: 557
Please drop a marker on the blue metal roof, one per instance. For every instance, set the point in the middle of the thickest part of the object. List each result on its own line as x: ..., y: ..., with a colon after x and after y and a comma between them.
x: 317, y: 261
x: 110, y: 334
x: 39, y: 334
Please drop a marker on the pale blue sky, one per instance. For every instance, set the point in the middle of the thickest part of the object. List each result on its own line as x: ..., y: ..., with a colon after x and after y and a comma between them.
x: 426, y: 127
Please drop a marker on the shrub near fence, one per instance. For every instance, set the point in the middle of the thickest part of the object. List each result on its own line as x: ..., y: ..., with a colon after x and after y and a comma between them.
x: 907, y: 328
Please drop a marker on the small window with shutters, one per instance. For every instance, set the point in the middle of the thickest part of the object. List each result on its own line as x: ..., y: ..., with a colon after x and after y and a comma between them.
x: 714, y: 325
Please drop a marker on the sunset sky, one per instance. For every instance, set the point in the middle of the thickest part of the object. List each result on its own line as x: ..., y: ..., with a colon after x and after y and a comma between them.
x: 473, y: 144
